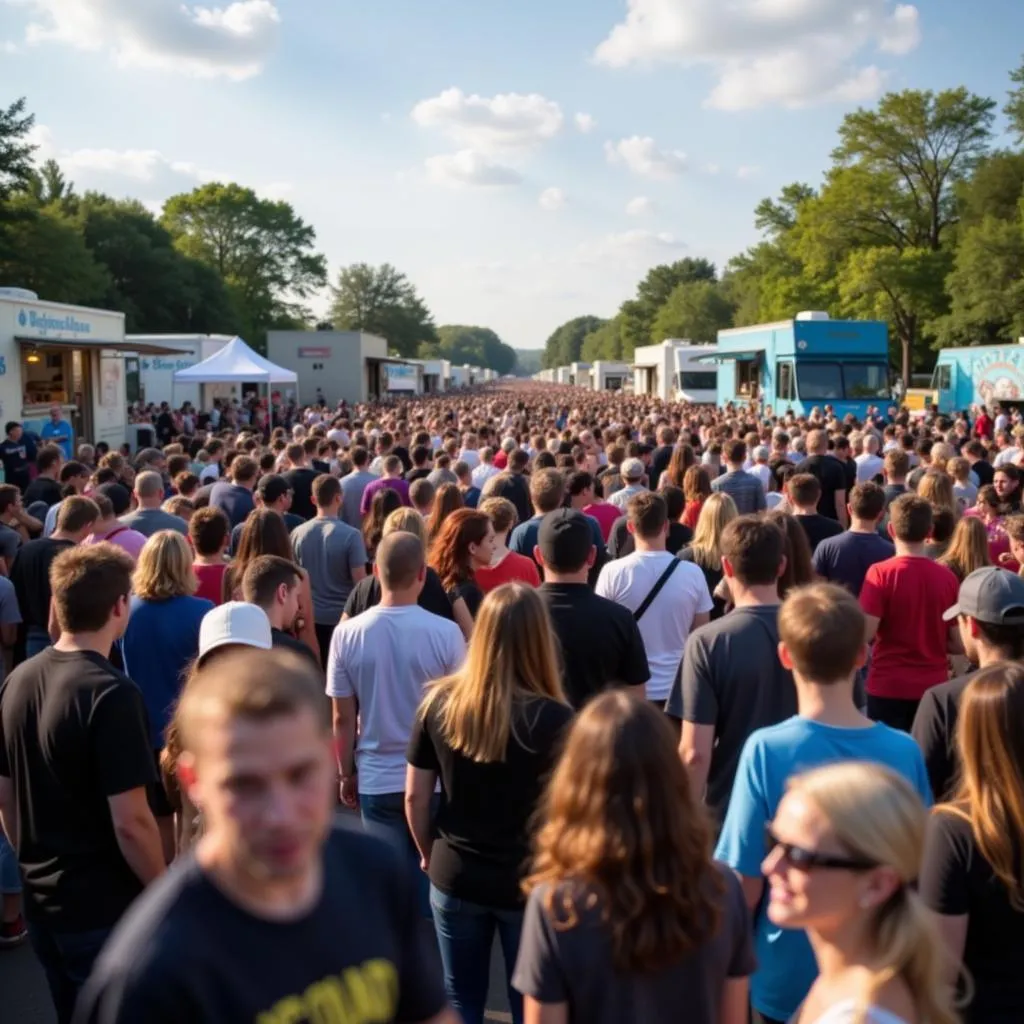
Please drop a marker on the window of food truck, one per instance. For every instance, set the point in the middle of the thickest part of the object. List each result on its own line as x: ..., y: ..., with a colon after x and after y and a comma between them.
x: 695, y: 381
x: 819, y: 381
x: 866, y: 380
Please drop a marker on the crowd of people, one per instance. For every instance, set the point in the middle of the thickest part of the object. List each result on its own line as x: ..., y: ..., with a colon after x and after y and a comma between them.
x: 703, y: 714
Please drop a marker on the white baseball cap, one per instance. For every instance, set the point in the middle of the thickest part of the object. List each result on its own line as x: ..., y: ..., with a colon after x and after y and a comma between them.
x: 234, y: 622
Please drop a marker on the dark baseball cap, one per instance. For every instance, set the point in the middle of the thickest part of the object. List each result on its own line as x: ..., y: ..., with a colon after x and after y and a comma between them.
x: 565, y: 538
x: 272, y: 486
x: 990, y: 595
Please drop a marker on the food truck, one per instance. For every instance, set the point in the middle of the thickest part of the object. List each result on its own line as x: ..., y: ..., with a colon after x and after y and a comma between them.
x: 978, y: 375
x: 673, y: 370
x: 807, y: 362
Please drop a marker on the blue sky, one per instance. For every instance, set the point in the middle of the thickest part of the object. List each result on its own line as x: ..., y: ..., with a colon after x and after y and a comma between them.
x: 444, y: 136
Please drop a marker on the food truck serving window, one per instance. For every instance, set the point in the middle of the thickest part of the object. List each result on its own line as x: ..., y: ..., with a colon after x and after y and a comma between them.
x: 820, y: 381
x: 693, y: 380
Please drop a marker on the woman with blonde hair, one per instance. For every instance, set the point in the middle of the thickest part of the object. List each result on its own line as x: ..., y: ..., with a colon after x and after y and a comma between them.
x: 968, y: 549
x: 705, y: 550
x: 629, y: 918
x: 845, y: 848
x: 161, y: 642
x: 491, y: 734
x: 973, y: 872
x: 937, y: 487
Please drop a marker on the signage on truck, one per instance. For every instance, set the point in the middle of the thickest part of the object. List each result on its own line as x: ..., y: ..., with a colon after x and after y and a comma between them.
x: 166, y: 365
x: 44, y: 323
x: 999, y: 375
x: 400, y: 377
x: 323, y: 352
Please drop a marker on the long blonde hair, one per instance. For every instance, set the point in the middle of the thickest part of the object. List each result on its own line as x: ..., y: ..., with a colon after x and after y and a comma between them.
x: 937, y: 487
x: 512, y: 657
x: 164, y: 569
x: 990, y: 735
x: 968, y: 550
x: 716, y: 514
x: 406, y: 520
x: 877, y: 817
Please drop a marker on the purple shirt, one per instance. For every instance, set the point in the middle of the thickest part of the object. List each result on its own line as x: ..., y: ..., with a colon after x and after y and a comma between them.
x: 396, y: 483
x: 123, y: 537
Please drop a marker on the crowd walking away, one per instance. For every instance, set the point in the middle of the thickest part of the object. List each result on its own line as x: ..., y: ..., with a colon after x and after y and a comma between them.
x: 521, y: 699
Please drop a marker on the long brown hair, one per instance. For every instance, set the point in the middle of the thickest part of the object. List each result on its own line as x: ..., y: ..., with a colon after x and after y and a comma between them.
x: 513, y: 656
x: 799, y: 567
x: 679, y: 463
x: 622, y: 831
x: 385, y: 501
x: 697, y: 484
x: 447, y: 499
x: 449, y: 553
x: 968, y: 550
x: 264, y: 533
x: 990, y: 735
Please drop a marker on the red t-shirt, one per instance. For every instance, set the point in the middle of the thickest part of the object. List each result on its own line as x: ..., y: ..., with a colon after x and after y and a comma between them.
x: 908, y: 595
x: 605, y: 514
x: 513, y: 568
x: 983, y: 426
x: 211, y: 581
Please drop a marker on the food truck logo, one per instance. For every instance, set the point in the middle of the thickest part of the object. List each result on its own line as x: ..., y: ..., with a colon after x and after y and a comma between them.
x: 1001, y: 378
x: 45, y: 322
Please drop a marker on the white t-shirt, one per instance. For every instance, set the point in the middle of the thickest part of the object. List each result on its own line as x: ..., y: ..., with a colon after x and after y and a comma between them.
x: 763, y: 473
x: 339, y: 435
x: 669, y: 618
x: 470, y: 456
x: 384, y: 658
x: 483, y: 473
x: 1006, y: 456
x: 847, y: 1012
x: 210, y: 473
x: 868, y: 467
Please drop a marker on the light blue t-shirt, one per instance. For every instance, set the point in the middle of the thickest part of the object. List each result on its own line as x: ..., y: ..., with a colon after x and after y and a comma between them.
x: 786, y: 965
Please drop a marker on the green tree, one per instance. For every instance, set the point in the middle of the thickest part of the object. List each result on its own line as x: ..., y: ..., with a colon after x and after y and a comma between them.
x: 47, y: 253
x: 637, y: 315
x: 528, y: 361
x: 262, y: 250
x: 604, y: 343
x: 15, y: 169
x: 381, y: 300
x: 478, y: 346
x: 696, y: 310
x: 1014, y: 108
x: 884, y: 223
x: 47, y: 184
x: 566, y: 342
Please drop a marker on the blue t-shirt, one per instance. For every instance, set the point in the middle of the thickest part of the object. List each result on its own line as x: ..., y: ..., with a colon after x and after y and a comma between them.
x: 61, y: 429
x: 159, y: 644
x: 846, y: 558
x: 786, y: 966
x: 523, y: 538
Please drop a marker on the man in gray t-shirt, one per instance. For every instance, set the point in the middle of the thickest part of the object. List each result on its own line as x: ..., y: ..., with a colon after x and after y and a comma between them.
x: 352, y: 487
x: 744, y: 488
x: 333, y: 555
x: 149, y: 517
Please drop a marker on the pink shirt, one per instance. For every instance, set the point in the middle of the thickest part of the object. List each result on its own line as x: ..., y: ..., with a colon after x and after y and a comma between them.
x: 127, y: 539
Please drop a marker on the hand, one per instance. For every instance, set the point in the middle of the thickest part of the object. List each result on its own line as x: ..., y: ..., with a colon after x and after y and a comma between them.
x: 349, y: 792
x: 425, y: 864
x: 1006, y: 558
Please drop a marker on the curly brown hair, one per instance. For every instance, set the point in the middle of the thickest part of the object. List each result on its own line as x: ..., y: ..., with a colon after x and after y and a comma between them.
x: 621, y: 831
x: 449, y: 551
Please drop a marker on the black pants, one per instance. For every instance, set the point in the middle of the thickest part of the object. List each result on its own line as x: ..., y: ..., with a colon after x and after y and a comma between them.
x: 323, y: 638
x: 67, y: 960
x: 893, y: 711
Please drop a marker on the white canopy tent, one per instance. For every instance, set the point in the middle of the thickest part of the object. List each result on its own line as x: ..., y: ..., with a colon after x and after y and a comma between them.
x: 236, y: 363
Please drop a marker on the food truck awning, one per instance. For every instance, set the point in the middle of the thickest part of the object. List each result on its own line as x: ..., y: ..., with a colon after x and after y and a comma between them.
x: 94, y: 345
x: 746, y: 355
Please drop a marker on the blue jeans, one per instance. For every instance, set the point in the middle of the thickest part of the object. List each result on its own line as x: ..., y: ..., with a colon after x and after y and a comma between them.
x: 465, y: 935
x: 384, y: 814
x: 67, y: 959
x: 10, y: 876
x: 36, y: 640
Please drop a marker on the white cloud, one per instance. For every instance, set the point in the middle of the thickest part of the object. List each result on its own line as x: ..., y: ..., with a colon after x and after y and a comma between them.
x: 231, y: 41
x: 275, y: 190
x: 787, y: 52
x: 712, y: 168
x: 643, y: 157
x: 585, y: 123
x: 747, y: 171
x: 8, y: 47
x: 640, y: 206
x: 140, y: 164
x: 552, y: 199
x: 508, y: 121
x: 636, y: 247
x: 469, y: 168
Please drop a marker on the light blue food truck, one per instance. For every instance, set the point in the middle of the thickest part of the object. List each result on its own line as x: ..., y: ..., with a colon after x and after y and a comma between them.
x: 979, y: 375
x: 807, y: 362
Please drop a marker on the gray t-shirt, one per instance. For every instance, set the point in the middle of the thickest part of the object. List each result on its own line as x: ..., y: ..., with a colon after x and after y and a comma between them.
x: 745, y: 490
x: 732, y: 679
x: 10, y: 615
x: 10, y: 541
x: 574, y: 965
x: 352, y: 487
x: 148, y: 521
x: 329, y: 550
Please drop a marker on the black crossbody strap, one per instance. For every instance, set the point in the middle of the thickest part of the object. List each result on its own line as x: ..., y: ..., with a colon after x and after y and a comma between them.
x: 656, y: 589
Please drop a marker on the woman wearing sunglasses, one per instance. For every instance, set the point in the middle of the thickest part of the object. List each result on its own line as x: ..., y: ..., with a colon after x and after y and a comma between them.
x: 844, y: 851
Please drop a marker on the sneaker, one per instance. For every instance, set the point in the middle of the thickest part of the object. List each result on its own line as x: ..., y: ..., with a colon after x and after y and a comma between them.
x: 13, y: 933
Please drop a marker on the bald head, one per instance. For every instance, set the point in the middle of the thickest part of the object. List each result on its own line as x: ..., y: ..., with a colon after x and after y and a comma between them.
x: 400, y: 561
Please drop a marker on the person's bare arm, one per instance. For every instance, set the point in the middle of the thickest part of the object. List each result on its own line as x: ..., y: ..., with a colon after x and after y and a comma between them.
x: 734, y: 1005
x: 753, y: 890
x: 695, y: 747
x: 954, y: 645
x: 462, y: 617
x: 844, y: 519
x: 358, y: 573
x: 343, y: 716
x: 8, y: 811
x: 700, y: 619
x: 953, y: 929
x: 52, y: 625
x: 544, y: 1013
x: 419, y: 788
x: 307, y: 631
x: 870, y: 628
x: 30, y: 523
x: 137, y: 834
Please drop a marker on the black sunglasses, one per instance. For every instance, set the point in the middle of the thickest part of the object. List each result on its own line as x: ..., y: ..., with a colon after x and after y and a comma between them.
x: 807, y: 860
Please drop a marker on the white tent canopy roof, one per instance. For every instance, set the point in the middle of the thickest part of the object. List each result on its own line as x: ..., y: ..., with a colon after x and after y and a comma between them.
x: 235, y: 363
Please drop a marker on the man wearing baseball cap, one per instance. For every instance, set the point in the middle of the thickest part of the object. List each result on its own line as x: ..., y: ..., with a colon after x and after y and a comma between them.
x: 232, y: 625
x: 274, y: 492
x: 632, y: 472
x: 990, y: 617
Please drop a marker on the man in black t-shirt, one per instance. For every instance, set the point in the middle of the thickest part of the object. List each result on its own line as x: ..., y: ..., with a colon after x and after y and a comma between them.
x: 75, y: 760
x: 300, y: 479
x: 804, y: 494
x: 246, y: 927
x: 600, y: 642
x: 272, y: 583
x: 45, y: 487
x: 830, y: 474
x: 14, y: 455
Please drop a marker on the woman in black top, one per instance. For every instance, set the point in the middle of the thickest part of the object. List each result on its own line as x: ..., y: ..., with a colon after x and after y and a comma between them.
x: 491, y: 733
x: 464, y: 542
x: 973, y: 873
x: 384, y: 502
